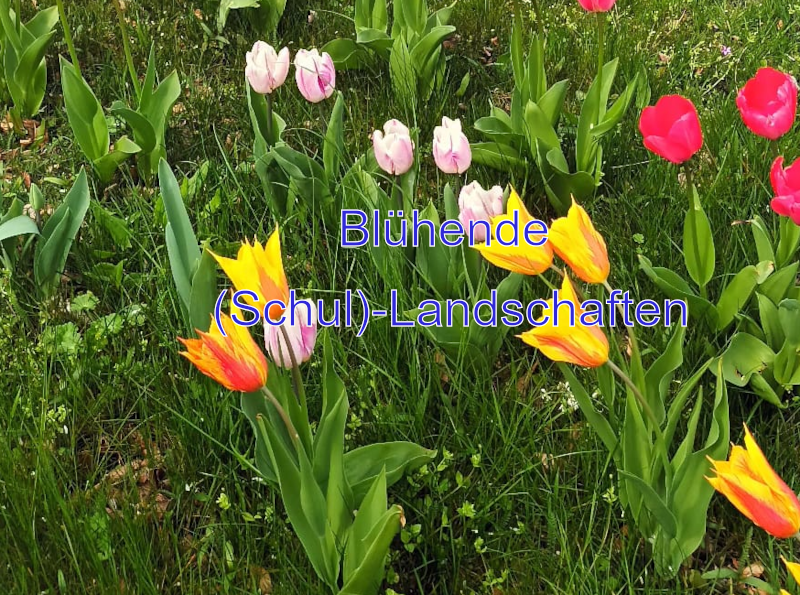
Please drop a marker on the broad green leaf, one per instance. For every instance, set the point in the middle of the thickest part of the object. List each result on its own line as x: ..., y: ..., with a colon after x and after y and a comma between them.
x: 552, y: 101
x: 788, y: 241
x: 654, y: 503
x: 347, y: 54
x: 143, y: 132
x: 735, y: 295
x: 660, y: 374
x: 425, y: 48
x: 18, y: 226
x: 744, y: 357
x: 762, y: 239
x: 617, y: 110
x: 789, y: 317
x: 203, y: 295
x: 368, y: 575
x: 698, y: 243
x: 538, y: 127
x: 84, y: 112
x: 770, y: 322
x: 498, y: 156
x: 186, y: 245
x: 402, y: 73
x: 778, y: 285
x: 225, y: 6
x: 108, y: 164
x: 333, y: 148
x: 363, y: 465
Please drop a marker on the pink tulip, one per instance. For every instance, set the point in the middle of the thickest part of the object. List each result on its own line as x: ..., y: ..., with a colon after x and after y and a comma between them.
x: 315, y: 75
x: 451, y: 147
x: 302, y: 336
x: 597, y: 5
x: 768, y: 103
x: 266, y: 70
x: 786, y: 186
x: 671, y: 128
x: 393, y: 148
x: 477, y: 204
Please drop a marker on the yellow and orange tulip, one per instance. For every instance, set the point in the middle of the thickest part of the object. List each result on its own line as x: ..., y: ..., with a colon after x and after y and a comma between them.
x: 234, y: 360
x: 260, y: 270
x: 576, y: 242
x: 753, y: 487
x: 579, y: 344
x: 522, y: 258
x: 793, y: 568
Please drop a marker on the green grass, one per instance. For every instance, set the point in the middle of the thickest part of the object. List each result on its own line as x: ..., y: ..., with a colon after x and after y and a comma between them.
x: 522, y: 501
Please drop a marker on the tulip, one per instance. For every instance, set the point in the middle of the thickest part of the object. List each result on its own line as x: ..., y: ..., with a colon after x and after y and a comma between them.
x: 577, y: 243
x: 259, y: 270
x: 394, y: 149
x: 266, y: 70
x: 233, y: 360
x: 451, y: 150
x: 302, y: 336
x: 752, y: 486
x: 786, y: 185
x: 671, y: 128
x: 315, y: 75
x: 794, y: 570
x: 477, y: 204
x: 522, y: 258
x: 597, y: 5
x: 768, y: 103
x: 577, y: 344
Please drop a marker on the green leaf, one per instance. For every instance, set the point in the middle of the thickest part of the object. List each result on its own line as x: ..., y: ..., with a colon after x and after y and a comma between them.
x: 463, y: 85
x: 735, y: 295
x: 84, y: 112
x: 654, y: 503
x: 676, y: 288
x: 143, y: 132
x: 60, y: 231
x: 425, y: 48
x: 347, y: 54
x: 698, y: 243
x: 789, y: 317
x: 788, y: 241
x: 770, y: 322
x: 552, y: 102
x: 333, y: 148
x: 18, y: 226
x: 108, y: 164
x: 596, y: 419
x: 617, y: 110
x: 762, y: 239
x: 498, y: 156
x: 364, y: 464
x: 402, y: 73
x: 115, y: 226
x: 659, y: 376
x: 225, y: 6
x: 202, y: 296
x: 187, y: 250
x: 744, y: 357
x: 778, y: 285
x: 538, y: 126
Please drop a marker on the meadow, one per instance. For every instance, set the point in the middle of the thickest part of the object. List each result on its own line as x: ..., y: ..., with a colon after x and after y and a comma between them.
x: 125, y: 470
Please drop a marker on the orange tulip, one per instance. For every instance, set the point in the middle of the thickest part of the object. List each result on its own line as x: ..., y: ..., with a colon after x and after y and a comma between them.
x: 259, y: 270
x: 522, y: 258
x: 577, y: 243
x: 579, y: 344
x: 752, y: 486
x: 235, y: 361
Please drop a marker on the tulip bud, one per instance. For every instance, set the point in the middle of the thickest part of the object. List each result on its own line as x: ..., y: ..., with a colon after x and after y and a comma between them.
x: 315, y: 75
x: 786, y: 187
x: 394, y: 149
x: 768, y: 103
x: 597, y: 5
x: 266, y: 70
x: 451, y: 149
x: 302, y: 336
x: 671, y: 129
x: 477, y: 204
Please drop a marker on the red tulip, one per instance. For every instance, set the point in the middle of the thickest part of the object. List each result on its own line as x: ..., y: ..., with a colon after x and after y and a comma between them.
x: 671, y: 128
x: 768, y: 103
x: 597, y: 5
x: 786, y: 185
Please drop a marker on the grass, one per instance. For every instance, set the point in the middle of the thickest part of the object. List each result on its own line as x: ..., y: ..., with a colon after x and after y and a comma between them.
x: 521, y: 498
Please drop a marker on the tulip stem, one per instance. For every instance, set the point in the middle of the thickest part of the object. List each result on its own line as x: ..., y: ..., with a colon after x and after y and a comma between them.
x: 282, y: 412
x: 601, y: 28
x: 68, y: 36
x: 127, y: 47
x: 537, y: 11
x: 690, y: 193
x: 776, y: 150
x: 269, y: 120
x: 297, y: 378
x: 629, y: 329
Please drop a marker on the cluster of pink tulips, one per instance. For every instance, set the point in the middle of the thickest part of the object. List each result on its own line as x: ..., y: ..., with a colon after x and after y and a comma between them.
x: 267, y: 69
x: 768, y: 106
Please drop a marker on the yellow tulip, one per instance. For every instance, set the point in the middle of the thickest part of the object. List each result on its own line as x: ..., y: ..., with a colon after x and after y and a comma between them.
x: 753, y: 487
x: 259, y: 270
x: 579, y: 344
x: 576, y: 242
x: 793, y: 568
x: 522, y: 258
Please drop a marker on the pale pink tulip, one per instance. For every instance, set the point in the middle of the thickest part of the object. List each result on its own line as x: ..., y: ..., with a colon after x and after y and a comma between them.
x: 451, y: 149
x: 477, y: 204
x: 315, y: 75
x: 302, y: 336
x: 266, y: 70
x: 394, y: 149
